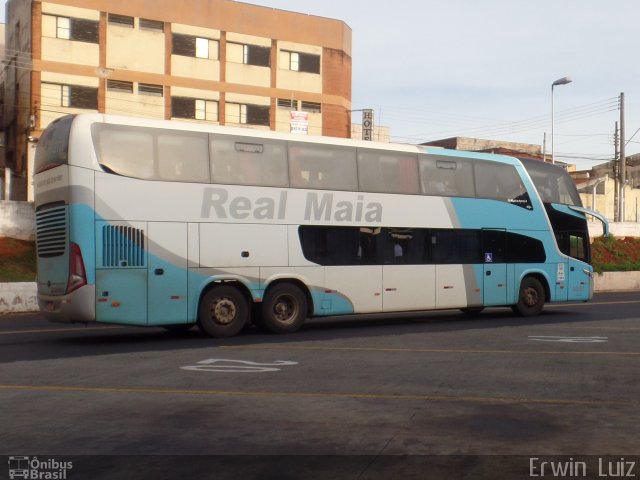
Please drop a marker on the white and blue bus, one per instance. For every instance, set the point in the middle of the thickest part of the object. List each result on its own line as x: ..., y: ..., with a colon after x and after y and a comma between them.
x: 161, y: 223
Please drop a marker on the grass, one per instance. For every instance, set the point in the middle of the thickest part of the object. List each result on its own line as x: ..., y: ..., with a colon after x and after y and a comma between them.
x: 615, y: 254
x: 17, y: 260
x: 608, y: 254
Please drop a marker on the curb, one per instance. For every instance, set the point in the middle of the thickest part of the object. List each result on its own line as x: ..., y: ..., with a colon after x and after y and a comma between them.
x: 22, y: 297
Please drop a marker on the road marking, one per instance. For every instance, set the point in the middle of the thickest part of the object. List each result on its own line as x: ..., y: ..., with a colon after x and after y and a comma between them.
x: 237, y: 366
x: 423, y: 350
x: 53, y: 330
x: 323, y: 395
x: 573, y: 304
x: 565, y: 339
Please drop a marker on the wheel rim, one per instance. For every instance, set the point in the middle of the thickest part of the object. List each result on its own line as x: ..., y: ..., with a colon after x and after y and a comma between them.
x: 530, y: 297
x: 285, y: 309
x: 223, y: 311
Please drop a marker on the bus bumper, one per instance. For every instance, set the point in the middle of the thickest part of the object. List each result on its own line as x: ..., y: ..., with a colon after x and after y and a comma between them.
x: 78, y: 306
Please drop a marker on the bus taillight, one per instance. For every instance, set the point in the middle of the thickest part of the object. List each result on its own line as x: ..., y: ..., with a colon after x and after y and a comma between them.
x: 77, y: 273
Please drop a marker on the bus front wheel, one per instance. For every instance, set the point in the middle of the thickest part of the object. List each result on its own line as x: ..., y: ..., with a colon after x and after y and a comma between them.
x: 284, y: 308
x: 531, y: 298
x: 223, y: 312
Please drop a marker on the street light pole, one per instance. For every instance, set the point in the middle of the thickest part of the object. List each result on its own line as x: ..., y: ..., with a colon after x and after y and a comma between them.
x: 560, y: 81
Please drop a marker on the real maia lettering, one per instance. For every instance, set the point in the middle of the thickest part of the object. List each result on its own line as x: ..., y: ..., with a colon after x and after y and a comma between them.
x: 319, y: 206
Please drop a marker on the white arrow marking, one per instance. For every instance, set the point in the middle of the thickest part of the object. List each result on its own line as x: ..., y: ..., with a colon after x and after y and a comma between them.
x: 556, y: 338
x: 237, y: 366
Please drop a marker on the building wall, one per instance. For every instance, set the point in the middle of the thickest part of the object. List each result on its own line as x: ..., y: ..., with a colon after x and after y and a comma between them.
x: 241, y: 62
x: 604, y: 201
x: 17, y: 87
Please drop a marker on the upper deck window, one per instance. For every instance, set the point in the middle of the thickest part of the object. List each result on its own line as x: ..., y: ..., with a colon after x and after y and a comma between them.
x: 238, y: 160
x: 53, y: 146
x: 323, y: 167
x: 449, y: 177
x: 553, y: 183
x: 152, y: 154
x: 387, y: 172
x: 500, y: 182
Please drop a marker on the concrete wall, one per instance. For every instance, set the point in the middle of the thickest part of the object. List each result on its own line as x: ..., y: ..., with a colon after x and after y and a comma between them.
x: 617, y: 229
x: 18, y: 297
x: 17, y: 220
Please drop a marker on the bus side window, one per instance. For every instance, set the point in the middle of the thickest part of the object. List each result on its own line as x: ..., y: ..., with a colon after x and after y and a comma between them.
x: 126, y: 150
x: 456, y: 246
x: 183, y: 156
x: 449, y: 177
x: 500, y: 182
x: 322, y: 167
x: 387, y: 172
x: 246, y: 161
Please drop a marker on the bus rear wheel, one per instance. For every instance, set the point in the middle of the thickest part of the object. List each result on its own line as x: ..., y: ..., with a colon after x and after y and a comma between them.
x: 531, y: 298
x: 284, y: 308
x: 223, y: 312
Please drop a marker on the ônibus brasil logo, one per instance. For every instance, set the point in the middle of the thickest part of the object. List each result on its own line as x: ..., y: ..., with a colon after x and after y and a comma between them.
x: 37, y: 469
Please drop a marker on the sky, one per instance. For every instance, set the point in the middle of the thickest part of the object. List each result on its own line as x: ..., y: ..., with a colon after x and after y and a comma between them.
x: 433, y: 69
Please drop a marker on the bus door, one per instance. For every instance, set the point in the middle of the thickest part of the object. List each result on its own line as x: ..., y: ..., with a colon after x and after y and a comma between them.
x: 121, y: 272
x: 407, y: 283
x: 354, y: 271
x: 495, y: 267
x: 167, y: 273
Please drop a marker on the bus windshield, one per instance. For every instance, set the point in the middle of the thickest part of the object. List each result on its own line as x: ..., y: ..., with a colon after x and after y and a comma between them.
x: 553, y: 183
x: 53, y: 146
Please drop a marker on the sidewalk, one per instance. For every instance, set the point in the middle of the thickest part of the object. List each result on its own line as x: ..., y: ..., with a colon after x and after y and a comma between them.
x: 21, y: 297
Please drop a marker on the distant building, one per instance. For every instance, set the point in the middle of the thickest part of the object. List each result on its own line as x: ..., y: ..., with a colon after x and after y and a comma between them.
x: 600, y: 191
x: 494, y: 146
x: 218, y: 61
x: 380, y: 134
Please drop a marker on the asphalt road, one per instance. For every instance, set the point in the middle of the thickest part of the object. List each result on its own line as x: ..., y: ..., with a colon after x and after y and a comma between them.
x: 376, y: 394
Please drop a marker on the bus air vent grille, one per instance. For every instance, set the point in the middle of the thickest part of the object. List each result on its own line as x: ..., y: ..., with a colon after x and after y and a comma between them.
x: 122, y: 246
x: 51, y: 231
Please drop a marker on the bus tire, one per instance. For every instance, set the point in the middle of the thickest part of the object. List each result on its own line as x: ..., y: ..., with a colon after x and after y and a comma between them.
x: 284, y: 308
x: 531, y: 298
x: 223, y: 312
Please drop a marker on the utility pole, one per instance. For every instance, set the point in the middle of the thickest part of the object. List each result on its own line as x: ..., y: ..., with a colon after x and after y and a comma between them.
x: 616, y: 176
x: 623, y: 159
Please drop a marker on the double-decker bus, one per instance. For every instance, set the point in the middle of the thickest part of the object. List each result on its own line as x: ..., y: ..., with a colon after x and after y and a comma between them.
x: 162, y: 223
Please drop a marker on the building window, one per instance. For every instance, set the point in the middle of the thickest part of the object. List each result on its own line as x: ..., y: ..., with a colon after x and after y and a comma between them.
x: 190, y: 46
x: 121, y: 20
x: 151, y: 25
x: 72, y: 96
x: 300, y: 62
x: 288, y: 104
x: 311, y: 107
x: 150, y: 89
x: 77, y: 29
x: 247, y: 114
x: 202, y: 48
x: 255, y: 55
x: 63, y: 28
x: 193, y: 108
x: 119, y: 86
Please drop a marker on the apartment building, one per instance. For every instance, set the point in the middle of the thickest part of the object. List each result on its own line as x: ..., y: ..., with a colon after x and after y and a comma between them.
x: 218, y: 61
